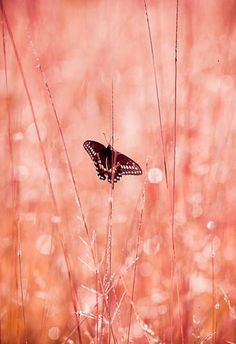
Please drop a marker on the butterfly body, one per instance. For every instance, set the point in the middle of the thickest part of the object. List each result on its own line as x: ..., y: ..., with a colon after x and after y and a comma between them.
x: 109, y: 163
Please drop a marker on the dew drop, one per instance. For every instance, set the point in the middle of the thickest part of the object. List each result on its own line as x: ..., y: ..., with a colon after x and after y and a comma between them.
x: 18, y: 136
x: 31, y: 132
x: 45, y: 245
x: 56, y: 175
x: 30, y: 217
x: 5, y: 243
x: 21, y: 173
x: 110, y: 199
x: 41, y: 295
x: 211, y: 225
x: 196, y: 321
x: 195, y: 198
x: 145, y: 327
x: 197, y: 211
x: 56, y: 219
x: 146, y: 269
x: 159, y: 296
x: 54, y: 333
x: 152, y: 245
x: 162, y: 309
x: 61, y: 263
x: 137, y: 330
x: 199, y: 284
x: 155, y: 175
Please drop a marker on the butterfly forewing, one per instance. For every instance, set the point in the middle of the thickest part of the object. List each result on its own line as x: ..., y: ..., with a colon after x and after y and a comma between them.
x: 93, y: 148
x: 109, y: 163
x: 98, y: 154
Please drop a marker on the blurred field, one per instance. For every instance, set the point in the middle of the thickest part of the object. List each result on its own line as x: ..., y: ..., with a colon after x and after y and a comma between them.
x: 83, y: 264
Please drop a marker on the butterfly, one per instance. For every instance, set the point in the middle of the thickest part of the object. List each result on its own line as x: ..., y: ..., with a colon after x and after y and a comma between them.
x: 109, y: 163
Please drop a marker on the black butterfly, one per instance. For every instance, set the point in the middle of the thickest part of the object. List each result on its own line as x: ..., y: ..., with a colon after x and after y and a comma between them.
x: 105, y: 157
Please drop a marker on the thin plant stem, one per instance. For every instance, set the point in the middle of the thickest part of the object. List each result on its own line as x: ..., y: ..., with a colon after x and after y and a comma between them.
x: 136, y: 260
x: 213, y: 291
x: 9, y: 138
x: 157, y: 95
x: 108, y: 269
x: 173, y: 259
x: 19, y: 253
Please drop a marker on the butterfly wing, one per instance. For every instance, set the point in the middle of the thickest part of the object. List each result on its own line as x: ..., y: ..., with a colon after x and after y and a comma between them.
x: 97, y: 153
x: 93, y: 148
x: 102, y: 158
x: 127, y: 165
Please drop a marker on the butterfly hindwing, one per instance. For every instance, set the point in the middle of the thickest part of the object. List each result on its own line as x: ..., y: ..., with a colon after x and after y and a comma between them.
x: 128, y: 166
x: 109, y: 163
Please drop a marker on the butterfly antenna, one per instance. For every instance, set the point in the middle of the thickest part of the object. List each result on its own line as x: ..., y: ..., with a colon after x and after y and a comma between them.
x: 108, y: 142
x: 112, y: 116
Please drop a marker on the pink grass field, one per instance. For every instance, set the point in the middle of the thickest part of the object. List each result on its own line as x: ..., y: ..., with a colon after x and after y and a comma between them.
x: 152, y: 261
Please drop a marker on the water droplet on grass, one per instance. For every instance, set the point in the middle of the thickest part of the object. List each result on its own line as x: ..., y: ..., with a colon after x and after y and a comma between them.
x: 45, y: 245
x: 21, y: 173
x: 31, y: 132
x: 211, y: 225
x: 56, y: 219
x: 18, y: 136
x: 54, y: 333
x: 197, y: 211
x: 155, y: 175
x: 146, y: 269
x: 162, y: 309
